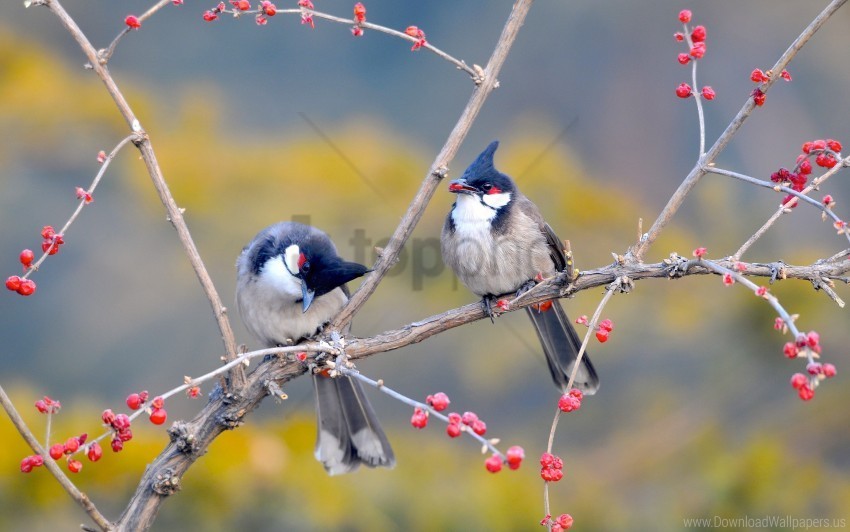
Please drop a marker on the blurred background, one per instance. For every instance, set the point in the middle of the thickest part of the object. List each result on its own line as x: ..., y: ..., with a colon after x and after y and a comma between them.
x: 252, y: 125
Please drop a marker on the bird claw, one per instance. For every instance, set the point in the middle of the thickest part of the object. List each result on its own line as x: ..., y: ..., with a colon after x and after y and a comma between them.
x: 487, y: 301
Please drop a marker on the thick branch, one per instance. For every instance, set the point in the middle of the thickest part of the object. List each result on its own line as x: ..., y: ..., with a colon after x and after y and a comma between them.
x: 439, y: 167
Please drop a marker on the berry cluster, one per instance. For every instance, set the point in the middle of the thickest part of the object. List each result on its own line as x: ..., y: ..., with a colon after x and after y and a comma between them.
x: 48, y: 405
x: 563, y: 522
x: 120, y: 424
x: 51, y: 242
x: 695, y: 39
x: 826, y: 154
x: 468, y: 419
x: 359, y: 19
x: 417, y: 34
x: 760, y: 76
x: 571, y: 401
x: 551, y: 467
x: 806, y: 345
x: 603, y: 329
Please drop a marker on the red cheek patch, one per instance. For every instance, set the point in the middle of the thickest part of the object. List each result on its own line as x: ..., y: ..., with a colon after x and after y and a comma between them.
x: 301, y: 260
x: 494, y: 190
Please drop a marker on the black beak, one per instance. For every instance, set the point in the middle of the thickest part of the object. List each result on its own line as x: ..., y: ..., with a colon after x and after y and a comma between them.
x: 307, y: 296
x: 460, y: 186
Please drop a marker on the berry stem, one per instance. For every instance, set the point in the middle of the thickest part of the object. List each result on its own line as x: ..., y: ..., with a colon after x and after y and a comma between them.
x: 105, y: 55
x: 784, y: 208
x: 355, y: 374
x: 697, y: 96
x: 82, y: 203
x: 610, y: 290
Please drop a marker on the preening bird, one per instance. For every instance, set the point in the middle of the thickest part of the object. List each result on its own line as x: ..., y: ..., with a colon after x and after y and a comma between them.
x: 496, y: 241
x: 291, y: 282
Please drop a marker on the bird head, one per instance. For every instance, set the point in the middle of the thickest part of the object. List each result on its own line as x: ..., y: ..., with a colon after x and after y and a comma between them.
x: 482, y: 181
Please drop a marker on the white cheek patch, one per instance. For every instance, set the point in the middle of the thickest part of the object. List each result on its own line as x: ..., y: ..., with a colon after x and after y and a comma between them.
x: 497, y: 201
x: 290, y: 257
x: 468, y: 210
x: 276, y: 276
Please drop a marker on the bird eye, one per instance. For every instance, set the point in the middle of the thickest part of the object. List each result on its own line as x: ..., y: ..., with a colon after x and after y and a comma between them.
x: 486, y: 187
x: 305, y: 268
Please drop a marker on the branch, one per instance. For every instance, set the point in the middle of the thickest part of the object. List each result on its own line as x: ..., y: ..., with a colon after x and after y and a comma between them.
x: 81, y: 498
x: 675, y: 201
x: 439, y: 168
x: 175, y: 214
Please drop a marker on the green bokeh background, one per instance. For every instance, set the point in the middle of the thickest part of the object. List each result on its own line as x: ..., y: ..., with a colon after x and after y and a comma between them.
x: 695, y: 417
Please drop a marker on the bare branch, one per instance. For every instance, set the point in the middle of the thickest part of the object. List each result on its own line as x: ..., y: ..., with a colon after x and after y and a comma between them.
x: 439, y: 167
x: 675, y: 201
x: 81, y: 498
x: 175, y: 214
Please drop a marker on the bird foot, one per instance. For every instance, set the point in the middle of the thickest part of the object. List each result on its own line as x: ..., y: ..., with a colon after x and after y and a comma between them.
x: 488, y: 301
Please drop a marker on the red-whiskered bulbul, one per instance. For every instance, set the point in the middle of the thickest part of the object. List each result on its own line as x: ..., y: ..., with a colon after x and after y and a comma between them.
x: 497, y: 243
x: 290, y: 283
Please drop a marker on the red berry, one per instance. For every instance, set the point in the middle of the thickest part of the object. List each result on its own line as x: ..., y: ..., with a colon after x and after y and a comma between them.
x: 829, y: 370
x: 698, y: 35
x: 158, y: 402
x: 439, y: 401
x: 158, y: 416
x: 359, y: 12
x: 419, y: 418
x: 833, y: 145
x: 798, y: 380
x: 56, y: 451
x: 209, y: 16
x: 117, y: 444
x: 758, y: 76
x: 94, y: 452
x: 679, y: 36
x: 761, y: 291
x: 120, y: 422
x: 814, y: 368
x: 269, y: 9
x: 698, y: 50
x: 685, y: 16
x: 818, y: 144
x: 785, y: 75
x: 827, y: 200
x: 469, y: 418
x: 568, y: 403
x: 708, y: 93
x: 547, y: 459
x: 261, y: 20
x: 453, y: 430
x: 27, y: 287
x: 26, y: 257
x: 602, y: 336
x: 72, y: 445
x: 74, y: 466
x: 479, y: 427
x: 813, y: 339
x: 551, y: 475
x: 413, y: 31
x: 143, y: 395
x: 575, y: 392
x: 778, y: 323
x: 684, y: 58
x: 125, y: 434
x: 515, y: 456
x: 134, y: 401
x: 455, y: 418
x: 565, y: 521
x: 493, y: 464
x: 758, y: 97
x: 13, y: 283
x: 41, y: 406
x: 193, y: 392
x: 826, y: 160
x: 582, y: 320
x: 133, y: 22
x: 26, y: 465
x: 807, y: 147
x: 728, y: 280
x: 700, y: 252
x: 806, y: 393
x: 357, y: 31
x: 108, y: 417
x: 37, y: 460
x: 790, y: 350
x: 607, y: 325
x: 806, y: 167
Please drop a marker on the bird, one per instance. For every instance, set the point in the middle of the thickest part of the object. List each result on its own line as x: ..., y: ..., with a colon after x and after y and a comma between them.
x: 291, y: 282
x: 496, y: 241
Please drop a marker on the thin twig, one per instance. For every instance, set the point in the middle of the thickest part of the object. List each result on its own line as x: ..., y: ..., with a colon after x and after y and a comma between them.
x: 609, y: 293
x: 786, y: 207
x: 81, y: 498
x: 678, y: 198
x: 105, y: 55
x: 175, y: 214
x: 439, y: 168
